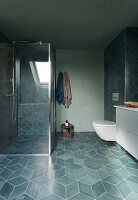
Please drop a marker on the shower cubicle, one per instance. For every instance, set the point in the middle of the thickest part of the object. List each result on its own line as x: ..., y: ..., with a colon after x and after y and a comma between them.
x: 27, y: 103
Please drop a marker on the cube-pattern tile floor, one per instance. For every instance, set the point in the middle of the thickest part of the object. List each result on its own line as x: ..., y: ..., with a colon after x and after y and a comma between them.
x: 28, y: 144
x: 81, y: 168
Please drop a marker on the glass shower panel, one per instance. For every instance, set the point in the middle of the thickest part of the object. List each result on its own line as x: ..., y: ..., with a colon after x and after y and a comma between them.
x: 8, y: 124
x: 27, y: 89
x: 52, y: 110
x: 33, y: 98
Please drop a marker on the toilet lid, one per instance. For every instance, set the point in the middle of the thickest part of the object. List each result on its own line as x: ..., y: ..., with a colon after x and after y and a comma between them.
x: 104, y: 123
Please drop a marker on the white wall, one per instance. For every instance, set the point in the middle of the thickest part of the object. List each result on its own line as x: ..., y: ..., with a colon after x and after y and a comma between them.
x: 86, y: 71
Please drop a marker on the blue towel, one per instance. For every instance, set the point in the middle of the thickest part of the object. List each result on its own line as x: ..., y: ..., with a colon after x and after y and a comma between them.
x: 59, y: 91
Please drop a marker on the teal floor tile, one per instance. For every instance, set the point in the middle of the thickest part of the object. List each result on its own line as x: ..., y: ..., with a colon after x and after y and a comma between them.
x: 95, y: 166
x: 19, y: 190
x: 132, y: 165
x: 23, y: 161
x: 15, y: 174
x: 32, y: 190
x: 98, y: 189
x: 78, y: 161
x: 75, y: 171
x: 112, y: 179
x: 6, y: 190
x: 59, y: 190
x: 72, y: 189
x: 80, y: 196
x: 124, y: 172
x: 87, y: 162
x: 108, y: 197
x: 46, y: 190
x: 38, y: 173
x: 114, y: 166
x: 41, y: 180
x: 103, y: 172
x: 132, y: 185
x: 14, y: 167
x: 114, y: 172
x: 132, y: 171
x: 112, y: 189
x: 124, y: 189
x: 55, y: 166
x: 132, y: 196
x: 133, y: 179
x: 5, y: 173
x: 70, y: 172
x: 1, y: 198
x: 65, y: 180
x: 116, y: 161
x: 27, y: 173
x: 81, y: 172
x: 59, y: 173
x: 23, y: 197
x: 18, y: 180
x: 124, y: 161
x: 4, y: 162
x: 92, y: 172
x: 52, y: 197
x: 34, y: 167
x: 2, y: 182
x: 85, y: 189
x: 82, y: 157
x: 75, y: 166
x: 90, y: 180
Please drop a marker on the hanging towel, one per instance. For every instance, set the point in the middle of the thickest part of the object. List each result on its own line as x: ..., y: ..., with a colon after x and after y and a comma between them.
x: 67, y: 90
x: 59, y: 91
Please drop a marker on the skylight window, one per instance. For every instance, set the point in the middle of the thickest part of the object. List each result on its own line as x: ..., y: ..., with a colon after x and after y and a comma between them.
x: 43, y: 71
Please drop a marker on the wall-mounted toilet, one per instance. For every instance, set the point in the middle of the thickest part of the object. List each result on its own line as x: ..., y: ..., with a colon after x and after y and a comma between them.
x: 106, y: 130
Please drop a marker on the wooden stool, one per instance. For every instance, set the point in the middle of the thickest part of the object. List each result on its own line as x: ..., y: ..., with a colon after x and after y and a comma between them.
x: 68, y: 130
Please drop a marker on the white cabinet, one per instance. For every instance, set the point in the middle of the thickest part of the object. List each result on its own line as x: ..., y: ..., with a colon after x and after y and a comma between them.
x: 127, y: 129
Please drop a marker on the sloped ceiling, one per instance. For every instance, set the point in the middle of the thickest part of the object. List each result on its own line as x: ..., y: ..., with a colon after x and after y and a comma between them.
x: 67, y: 23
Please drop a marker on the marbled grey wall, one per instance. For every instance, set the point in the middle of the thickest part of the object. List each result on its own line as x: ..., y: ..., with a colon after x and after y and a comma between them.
x: 121, y: 71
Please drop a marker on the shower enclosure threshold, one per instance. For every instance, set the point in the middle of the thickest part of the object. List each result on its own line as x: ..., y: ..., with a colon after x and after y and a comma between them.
x: 25, y: 155
x: 28, y: 144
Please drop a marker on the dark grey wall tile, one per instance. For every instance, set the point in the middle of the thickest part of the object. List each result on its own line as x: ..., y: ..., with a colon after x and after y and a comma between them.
x: 114, y: 75
x: 33, y: 119
x: 132, y: 64
x: 121, y: 71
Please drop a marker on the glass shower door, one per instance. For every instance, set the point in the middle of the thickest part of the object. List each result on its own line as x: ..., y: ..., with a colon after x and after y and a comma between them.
x: 33, y: 101
x: 30, y: 100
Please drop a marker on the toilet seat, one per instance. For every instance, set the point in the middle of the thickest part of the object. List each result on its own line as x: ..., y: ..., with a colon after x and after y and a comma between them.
x: 104, y: 123
x: 106, y: 130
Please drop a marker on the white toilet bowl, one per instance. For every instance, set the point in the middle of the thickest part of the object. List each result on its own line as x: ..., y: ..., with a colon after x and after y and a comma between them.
x: 106, y: 130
